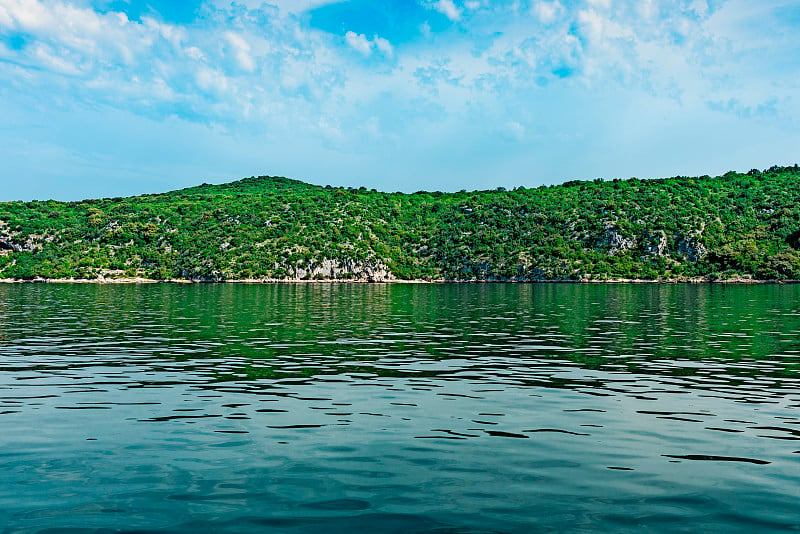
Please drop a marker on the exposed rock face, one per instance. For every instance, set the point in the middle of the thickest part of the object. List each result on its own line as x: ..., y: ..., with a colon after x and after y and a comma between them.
x: 656, y: 243
x: 5, y: 244
x: 327, y: 269
x: 691, y: 248
x: 615, y: 241
x: 348, y: 269
x: 211, y: 276
x: 8, y: 245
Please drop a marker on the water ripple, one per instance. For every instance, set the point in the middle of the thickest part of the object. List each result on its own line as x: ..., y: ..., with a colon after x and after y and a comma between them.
x: 448, y: 408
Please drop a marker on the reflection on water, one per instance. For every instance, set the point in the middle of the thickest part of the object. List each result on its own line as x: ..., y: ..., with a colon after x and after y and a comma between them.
x: 399, y: 408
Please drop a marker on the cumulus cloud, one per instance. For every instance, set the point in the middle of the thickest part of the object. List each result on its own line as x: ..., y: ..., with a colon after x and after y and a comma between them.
x: 286, y: 6
x: 194, y: 53
x: 241, y: 50
x: 359, y: 42
x: 648, y: 8
x: 268, y: 70
x: 603, y: 4
x: 47, y: 58
x: 211, y: 80
x: 5, y: 17
x: 586, y: 43
x: 69, y: 29
x: 548, y: 11
x: 599, y: 29
x: 448, y: 9
x: 626, y: 44
x: 384, y: 46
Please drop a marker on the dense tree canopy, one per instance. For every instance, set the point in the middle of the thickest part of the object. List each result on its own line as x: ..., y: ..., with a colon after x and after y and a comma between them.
x: 736, y: 225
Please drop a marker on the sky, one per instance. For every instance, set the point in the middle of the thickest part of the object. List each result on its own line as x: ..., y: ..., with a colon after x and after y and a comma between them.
x: 121, y: 97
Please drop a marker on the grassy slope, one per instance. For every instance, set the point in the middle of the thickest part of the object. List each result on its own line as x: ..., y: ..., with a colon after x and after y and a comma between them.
x: 724, y: 227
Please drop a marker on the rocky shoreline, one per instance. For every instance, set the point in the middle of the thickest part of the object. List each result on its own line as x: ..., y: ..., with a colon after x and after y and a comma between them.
x: 112, y: 281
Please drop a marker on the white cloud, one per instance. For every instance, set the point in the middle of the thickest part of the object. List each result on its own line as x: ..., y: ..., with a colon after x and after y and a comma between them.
x: 648, y: 8
x: 548, y: 11
x: 285, y: 6
x: 241, y: 51
x: 101, y: 39
x: 362, y: 44
x: 359, y: 42
x: 46, y: 57
x: 448, y: 9
x: 194, y: 53
x: 211, y: 80
x: 599, y: 27
x: 269, y: 74
x: 22, y: 14
x: 700, y: 7
x: 384, y: 46
x: 5, y: 17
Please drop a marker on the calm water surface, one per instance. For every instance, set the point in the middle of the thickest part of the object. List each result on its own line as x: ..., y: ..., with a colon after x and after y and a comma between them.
x: 394, y: 408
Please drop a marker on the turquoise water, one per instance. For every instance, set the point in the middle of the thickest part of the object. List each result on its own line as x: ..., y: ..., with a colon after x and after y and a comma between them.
x: 399, y: 408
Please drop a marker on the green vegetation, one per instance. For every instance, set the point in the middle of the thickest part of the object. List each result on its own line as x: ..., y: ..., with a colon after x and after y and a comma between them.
x: 736, y: 225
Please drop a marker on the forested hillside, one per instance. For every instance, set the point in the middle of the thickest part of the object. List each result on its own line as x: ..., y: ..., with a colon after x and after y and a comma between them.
x: 732, y: 226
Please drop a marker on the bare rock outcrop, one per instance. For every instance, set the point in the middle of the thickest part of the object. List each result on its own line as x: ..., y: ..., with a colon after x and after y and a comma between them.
x: 690, y: 246
x: 347, y: 269
x: 615, y: 241
x: 655, y: 243
x: 8, y: 245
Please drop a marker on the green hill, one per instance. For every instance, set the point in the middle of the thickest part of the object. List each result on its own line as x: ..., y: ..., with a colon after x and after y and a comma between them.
x: 732, y: 226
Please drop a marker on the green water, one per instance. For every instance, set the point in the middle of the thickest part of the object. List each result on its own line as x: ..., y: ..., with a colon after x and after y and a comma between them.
x: 399, y: 408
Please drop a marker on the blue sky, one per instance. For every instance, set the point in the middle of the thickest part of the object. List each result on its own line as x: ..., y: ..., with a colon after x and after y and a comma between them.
x: 108, y: 98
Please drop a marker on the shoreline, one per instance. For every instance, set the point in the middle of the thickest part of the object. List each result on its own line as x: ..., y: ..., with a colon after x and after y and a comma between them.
x: 128, y: 281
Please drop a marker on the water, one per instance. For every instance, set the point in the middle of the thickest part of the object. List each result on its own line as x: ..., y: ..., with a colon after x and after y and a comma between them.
x: 399, y: 408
